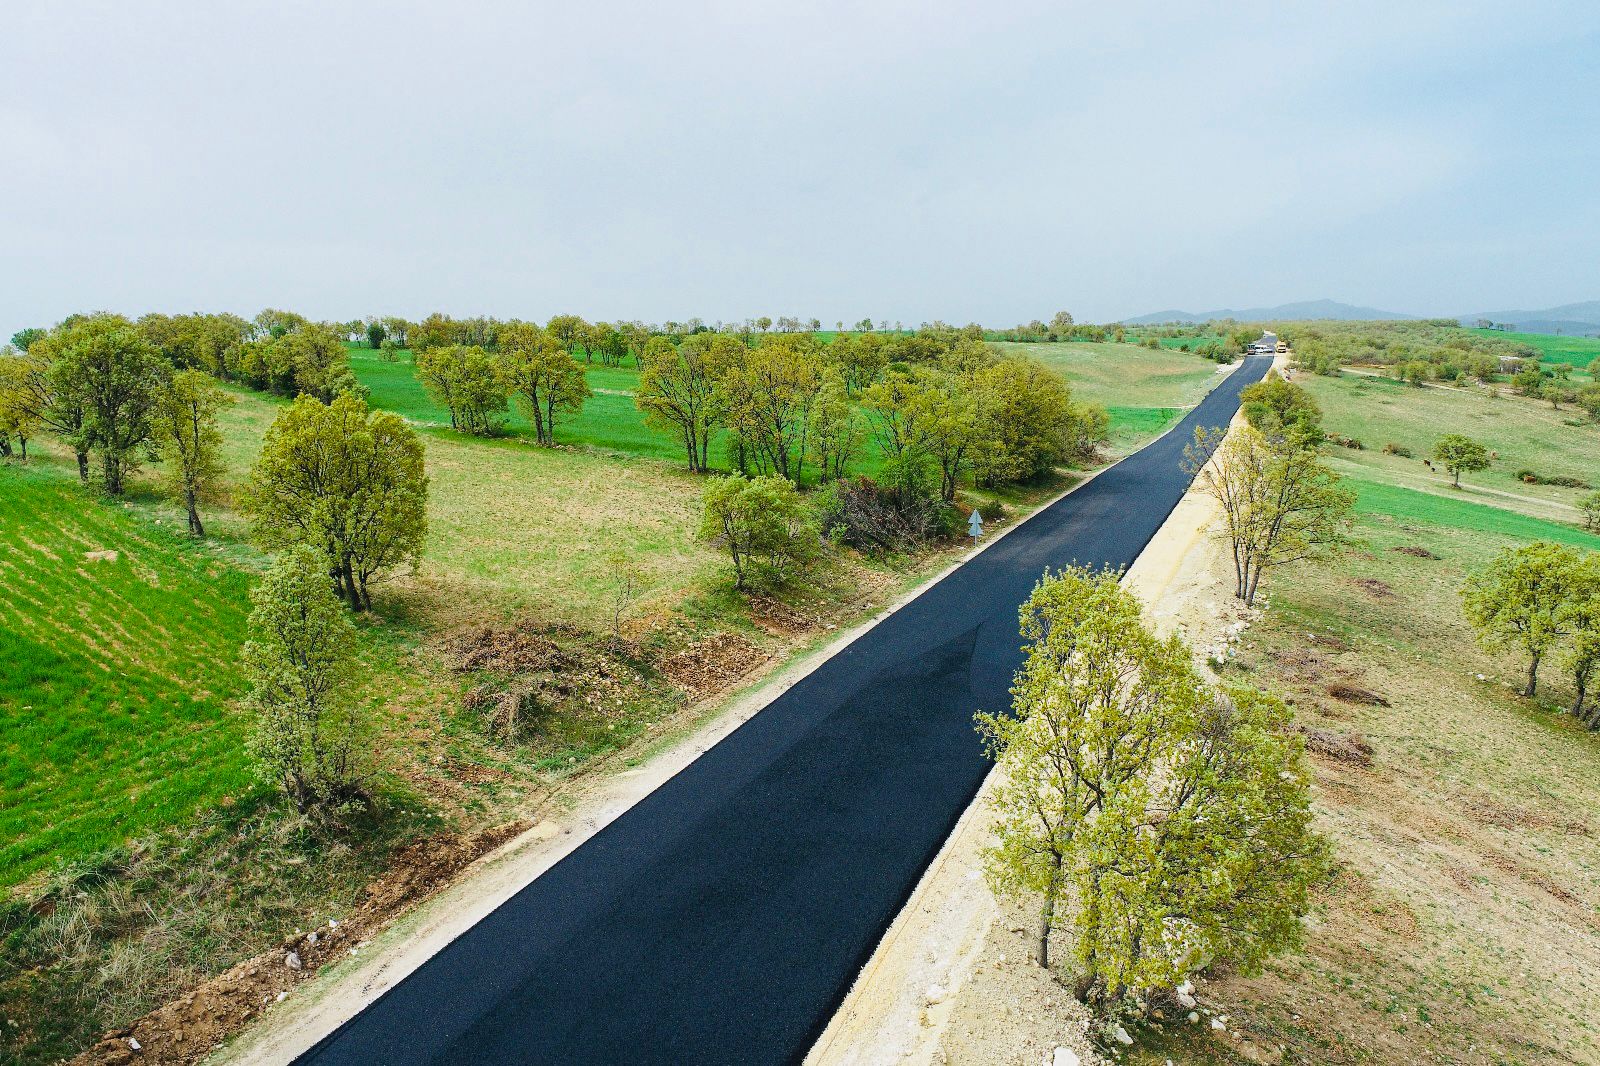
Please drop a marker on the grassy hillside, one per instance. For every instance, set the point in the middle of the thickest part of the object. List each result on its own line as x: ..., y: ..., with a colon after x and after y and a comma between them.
x: 1526, y: 434
x: 1462, y: 925
x: 114, y: 711
x: 1145, y: 390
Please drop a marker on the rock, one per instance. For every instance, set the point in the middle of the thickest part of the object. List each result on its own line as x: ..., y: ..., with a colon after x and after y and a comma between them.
x: 311, y: 938
x: 1193, y: 1017
x: 1184, y: 998
x: 1063, y: 1057
x: 1218, y: 1024
x: 133, y: 1045
x: 935, y: 994
x: 292, y: 960
x: 1120, y: 1035
x: 281, y: 997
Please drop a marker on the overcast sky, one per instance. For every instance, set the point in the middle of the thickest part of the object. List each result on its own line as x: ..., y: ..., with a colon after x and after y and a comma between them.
x: 981, y: 161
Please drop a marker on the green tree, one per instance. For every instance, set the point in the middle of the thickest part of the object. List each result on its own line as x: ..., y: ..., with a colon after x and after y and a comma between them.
x: 1280, y: 502
x: 1167, y: 824
x: 376, y: 332
x: 23, y: 339
x: 1588, y: 398
x: 34, y: 391
x: 345, y: 481
x: 1580, y: 617
x: 309, y: 359
x: 767, y: 393
x: 837, y: 432
x: 677, y: 392
x: 17, y: 417
x: 300, y: 659
x: 545, y: 378
x: 1518, y: 601
x: 114, y: 377
x: 1460, y: 454
x: 763, y: 524
x: 1273, y: 405
x: 1590, y: 505
x: 189, y: 440
x: 468, y: 381
x: 1029, y: 423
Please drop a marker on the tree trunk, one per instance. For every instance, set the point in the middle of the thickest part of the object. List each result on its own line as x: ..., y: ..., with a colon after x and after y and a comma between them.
x: 195, y: 528
x: 1533, y: 677
x: 113, y: 474
x: 1582, y: 684
x: 83, y: 466
x: 1047, y: 913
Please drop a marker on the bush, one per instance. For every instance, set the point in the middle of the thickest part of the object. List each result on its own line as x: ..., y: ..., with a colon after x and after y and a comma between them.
x: 1397, y: 449
x: 763, y: 524
x: 873, y: 518
x: 1563, y: 480
x: 389, y: 351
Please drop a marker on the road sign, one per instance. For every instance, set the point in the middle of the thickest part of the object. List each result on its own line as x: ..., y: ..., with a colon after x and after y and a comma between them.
x: 975, y: 526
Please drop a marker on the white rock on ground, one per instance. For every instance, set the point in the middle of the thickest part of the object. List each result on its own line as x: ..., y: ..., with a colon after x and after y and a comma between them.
x: 1063, y: 1057
x: 292, y: 960
x: 1120, y: 1035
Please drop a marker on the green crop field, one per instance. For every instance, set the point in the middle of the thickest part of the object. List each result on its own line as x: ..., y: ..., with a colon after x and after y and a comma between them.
x: 1574, y: 351
x: 118, y: 673
x: 1526, y: 434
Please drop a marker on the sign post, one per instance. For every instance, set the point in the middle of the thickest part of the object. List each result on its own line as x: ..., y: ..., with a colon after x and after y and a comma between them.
x: 975, y: 526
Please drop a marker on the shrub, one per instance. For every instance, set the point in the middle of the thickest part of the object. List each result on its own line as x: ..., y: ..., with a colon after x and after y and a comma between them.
x: 763, y: 524
x: 871, y: 517
x: 1397, y: 449
x: 1563, y: 480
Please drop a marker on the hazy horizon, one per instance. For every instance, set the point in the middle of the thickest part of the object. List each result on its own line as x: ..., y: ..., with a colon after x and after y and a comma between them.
x: 904, y: 162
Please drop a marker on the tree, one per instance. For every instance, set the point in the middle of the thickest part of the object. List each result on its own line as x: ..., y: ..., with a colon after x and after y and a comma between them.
x: 836, y: 429
x: 545, y: 378
x: 23, y: 339
x: 470, y: 383
x: 1061, y: 324
x: 1459, y: 454
x: 677, y: 393
x: 767, y: 393
x: 34, y: 389
x: 1280, y: 503
x: 104, y: 369
x: 300, y: 658
x: 345, y: 481
x: 308, y: 359
x: 17, y: 416
x: 1029, y: 423
x: 1580, y: 617
x: 376, y: 332
x: 1273, y: 405
x: 764, y: 526
x: 1588, y: 398
x: 1518, y: 601
x: 187, y: 435
x: 1167, y: 824
x: 1590, y: 505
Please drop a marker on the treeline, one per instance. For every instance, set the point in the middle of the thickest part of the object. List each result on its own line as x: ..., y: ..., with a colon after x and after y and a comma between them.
x: 1434, y: 349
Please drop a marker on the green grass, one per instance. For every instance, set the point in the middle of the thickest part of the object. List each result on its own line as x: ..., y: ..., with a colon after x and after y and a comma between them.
x: 1574, y: 351
x: 1526, y: 434
x: 115, y: 712
x: 1408, y: 505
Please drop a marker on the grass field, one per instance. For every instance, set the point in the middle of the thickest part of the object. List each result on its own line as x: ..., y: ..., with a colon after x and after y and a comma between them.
x: 118, y: 674
x: 1574, y: 351
x: 1462, y: 926
x: 1143, y: 390
x: 1525, y: 434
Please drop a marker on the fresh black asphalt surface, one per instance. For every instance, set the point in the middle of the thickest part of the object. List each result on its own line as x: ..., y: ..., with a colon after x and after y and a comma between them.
x: 723, y: 918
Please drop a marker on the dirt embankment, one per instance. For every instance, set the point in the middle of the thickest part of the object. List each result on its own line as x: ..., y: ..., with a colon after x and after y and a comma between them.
x: 189, y: 1028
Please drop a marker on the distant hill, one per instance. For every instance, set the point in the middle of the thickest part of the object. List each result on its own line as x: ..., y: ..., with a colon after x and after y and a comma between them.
x: 1579, y: 318
x: 1308, y: 309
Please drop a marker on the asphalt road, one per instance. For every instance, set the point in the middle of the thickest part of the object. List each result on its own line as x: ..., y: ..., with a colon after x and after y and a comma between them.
x: 723, y: 918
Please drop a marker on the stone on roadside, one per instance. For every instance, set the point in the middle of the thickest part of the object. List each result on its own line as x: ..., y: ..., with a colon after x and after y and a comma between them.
x: 292, y: 960
x: 1063, y: 1057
